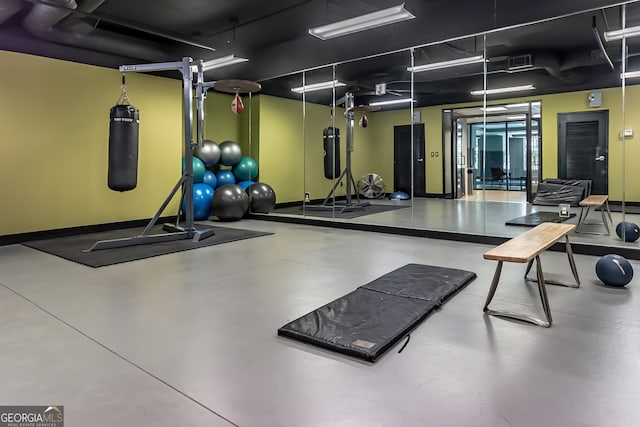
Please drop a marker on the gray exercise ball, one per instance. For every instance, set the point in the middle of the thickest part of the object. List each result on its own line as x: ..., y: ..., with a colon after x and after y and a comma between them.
x: 230, y: 202
x: 262, y: 198
x: 209, y: 153
x: 230, y: 153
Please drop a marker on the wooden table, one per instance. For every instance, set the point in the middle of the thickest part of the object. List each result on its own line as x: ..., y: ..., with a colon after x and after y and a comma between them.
x: 527, y: 247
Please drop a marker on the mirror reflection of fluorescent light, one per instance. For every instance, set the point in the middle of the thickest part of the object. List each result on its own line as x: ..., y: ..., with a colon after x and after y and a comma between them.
x: 518, y: 117
x: 630, y: 75
x: 446, y: 64
x: 317, y: 86
x: 219, y: 63
x: 362, y: 23
x: 519, y: 105
x: 503, y: 90
x: 494, y: 109
x: 391, y: 102
x: 618, y: 34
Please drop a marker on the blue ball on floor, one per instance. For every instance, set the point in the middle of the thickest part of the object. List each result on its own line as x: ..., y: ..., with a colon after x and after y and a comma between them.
x: 399, y: 195
x: 614, y: 270
x: 202, y: 196
x: 628, y: 231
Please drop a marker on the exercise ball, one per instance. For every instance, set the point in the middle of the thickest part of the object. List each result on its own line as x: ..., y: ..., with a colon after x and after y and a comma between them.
x: 614, y: 270
x: 230, y: 153
x: 628, y: 231
x: 210, y: 179
x: 246, y: 169
x: 209, y: 153
x: 230, y: 202
x: 399, y: 195
x: 225, y: 177
x: 262, y: 198
x: 202, y: 196
x: 198, y: 169
x: 245, y: 184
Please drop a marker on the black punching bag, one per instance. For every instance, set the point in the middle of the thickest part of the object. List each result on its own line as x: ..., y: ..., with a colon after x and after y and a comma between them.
x: 123, y: 147
x: 331, y: 139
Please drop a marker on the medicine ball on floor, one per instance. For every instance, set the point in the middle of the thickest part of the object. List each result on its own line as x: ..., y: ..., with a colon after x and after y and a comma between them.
x: 628, y: 231
x: 614, y: 270
x: 262, y: 198
x: 230, y: 202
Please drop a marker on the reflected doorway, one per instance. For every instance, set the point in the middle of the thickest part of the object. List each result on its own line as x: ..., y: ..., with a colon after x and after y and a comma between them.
x: 501, y: 154
x: 403, y: 153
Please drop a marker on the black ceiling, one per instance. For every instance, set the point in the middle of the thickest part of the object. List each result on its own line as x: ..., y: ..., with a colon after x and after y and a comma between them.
x: 273, y: 35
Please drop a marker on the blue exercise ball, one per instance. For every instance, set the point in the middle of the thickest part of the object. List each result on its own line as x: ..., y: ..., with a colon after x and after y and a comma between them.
x: 614, y: 270
x: 209, y: 153
x: 202, y: 196
x: 245, y: 184
x: 210, y: 179
x: 230, y: 202
x: 225, y: 177
x: 230, y: 153
x: 399, y: 195
x: 262, y: 198
x: 628, y: 231
x: 246, y: 169
x: 198, y: 169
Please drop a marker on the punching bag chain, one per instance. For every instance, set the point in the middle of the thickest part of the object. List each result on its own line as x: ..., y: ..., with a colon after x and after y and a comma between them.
x: 124, y: 98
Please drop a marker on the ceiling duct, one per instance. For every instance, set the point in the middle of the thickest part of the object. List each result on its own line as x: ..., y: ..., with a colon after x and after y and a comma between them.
x: 8, y: 8
x: 42, y: 19
x: 519, y: 62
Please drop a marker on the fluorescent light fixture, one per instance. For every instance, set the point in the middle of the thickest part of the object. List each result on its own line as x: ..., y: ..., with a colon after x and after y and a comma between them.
x: 519, y: 105
x: 618, y: 34
x: 317, y: 86
x: 392, y: 102
x: 362, y: 23
x: 503, y: 90
x: 518, y: 117
x: 630, y: 75
x: 219, y: 63
x: 446, y: 64
x: 494, y: 109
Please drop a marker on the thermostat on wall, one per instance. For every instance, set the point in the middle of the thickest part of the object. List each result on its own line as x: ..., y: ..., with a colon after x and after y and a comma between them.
x: 595, y: 99
x: 416, y: 116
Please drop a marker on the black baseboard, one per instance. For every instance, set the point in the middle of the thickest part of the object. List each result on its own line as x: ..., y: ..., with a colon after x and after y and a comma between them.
x: 12, y: 239
x: 578, y: 248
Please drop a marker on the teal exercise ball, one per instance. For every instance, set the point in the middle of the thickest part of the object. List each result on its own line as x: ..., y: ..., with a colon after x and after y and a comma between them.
x: 198, y: 169
x: 246, y: 169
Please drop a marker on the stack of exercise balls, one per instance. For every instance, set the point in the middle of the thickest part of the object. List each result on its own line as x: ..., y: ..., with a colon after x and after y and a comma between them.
x: 225, y: 183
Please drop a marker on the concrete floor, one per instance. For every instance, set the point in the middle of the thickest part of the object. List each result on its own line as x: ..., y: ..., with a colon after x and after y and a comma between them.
x: 189, y: 339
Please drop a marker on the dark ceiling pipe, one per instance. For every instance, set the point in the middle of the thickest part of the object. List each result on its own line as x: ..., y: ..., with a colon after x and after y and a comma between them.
x: 8, y: 8
x: 42, y: 19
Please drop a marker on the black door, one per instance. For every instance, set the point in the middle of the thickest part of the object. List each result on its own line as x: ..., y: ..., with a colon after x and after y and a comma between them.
x: 583, y: 148
x: 402, y: 159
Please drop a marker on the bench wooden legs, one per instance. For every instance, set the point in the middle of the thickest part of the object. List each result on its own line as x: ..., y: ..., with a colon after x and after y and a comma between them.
x: 541, y: 289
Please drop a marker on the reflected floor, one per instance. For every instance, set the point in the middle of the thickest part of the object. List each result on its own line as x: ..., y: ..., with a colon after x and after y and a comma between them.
x: 481, y: 214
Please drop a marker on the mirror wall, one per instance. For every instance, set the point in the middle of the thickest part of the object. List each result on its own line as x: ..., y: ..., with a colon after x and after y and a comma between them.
x: 455, y: 155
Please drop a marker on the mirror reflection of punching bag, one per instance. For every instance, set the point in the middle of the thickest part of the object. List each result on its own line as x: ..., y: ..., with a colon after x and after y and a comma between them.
x: 124, y: 123
x: 331, y: 142
x: 236, y: 105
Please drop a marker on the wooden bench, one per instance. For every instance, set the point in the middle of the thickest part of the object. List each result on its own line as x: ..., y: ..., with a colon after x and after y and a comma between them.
x: 527, y: 247
x: 594, y: 201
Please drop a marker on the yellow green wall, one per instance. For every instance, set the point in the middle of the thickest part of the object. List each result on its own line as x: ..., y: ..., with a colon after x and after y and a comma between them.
x: 55, y: 143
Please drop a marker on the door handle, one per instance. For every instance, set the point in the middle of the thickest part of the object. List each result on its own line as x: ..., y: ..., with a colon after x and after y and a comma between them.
x: 421, y: 160
x: 600, y: 159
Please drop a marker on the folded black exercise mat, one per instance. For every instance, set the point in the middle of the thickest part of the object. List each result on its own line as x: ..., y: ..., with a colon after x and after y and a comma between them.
x: 72, y: 247
x: 328, y: 212
x: 370, y: 320
x: 538, y: 218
